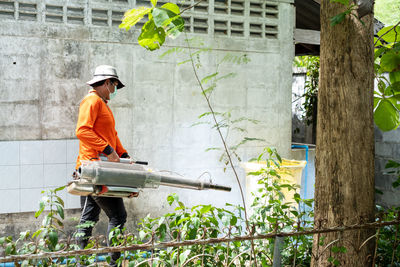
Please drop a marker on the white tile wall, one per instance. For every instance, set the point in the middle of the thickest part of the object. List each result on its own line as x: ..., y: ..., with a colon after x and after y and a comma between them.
x: 32, y: 176
x: 9, y: 177
x: 55, y: 151
x: 9, y: 200
x: 10, y: 153
x: 31, y: 152
x: 29, y: 167
x: 54, y: 175
x: 72, y: 150
x: 29, y: 199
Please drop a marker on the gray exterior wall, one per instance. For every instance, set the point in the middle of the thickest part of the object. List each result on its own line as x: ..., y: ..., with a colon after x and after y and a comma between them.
x: 49, y: 49
x: 387, y: 147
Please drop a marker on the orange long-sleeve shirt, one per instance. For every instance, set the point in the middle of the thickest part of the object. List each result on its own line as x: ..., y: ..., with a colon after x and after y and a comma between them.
x: 96, y: 129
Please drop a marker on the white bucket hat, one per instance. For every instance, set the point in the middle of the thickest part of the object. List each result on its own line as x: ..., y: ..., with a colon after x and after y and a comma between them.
x: 104, y: 72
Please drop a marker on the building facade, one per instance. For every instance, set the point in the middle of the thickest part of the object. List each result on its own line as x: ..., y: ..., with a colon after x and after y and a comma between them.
x: 49, y: 49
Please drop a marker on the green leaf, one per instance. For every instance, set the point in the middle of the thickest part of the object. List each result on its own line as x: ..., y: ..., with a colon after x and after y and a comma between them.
x: 209, y: 89
x: 184, y: 255
x: 394, y: 88
x: 180, y: 203
x: 212, y: 148
x: 344, y: 2
x: 59, y: 199
x: 24, y: 235
x: 168, y: 17
x: 184, y: 219
x: 162, y: 230
x: 226, y: 76
x: 60, y: 211
x: 37, y: 233
x: 233, y: 220
x: 142, y: 235
x: 154, y: 3
x: 171, y: 199
x: 59, y: 188
x: 295, y: 212
x: 392, y: 164
x: 392, y: 36
x: 41, y: 208
x: 58, y: 222
x: 337, y: 19
x: 196, y: 222
x: 381, y: 86
x: 46, y: 220
x: 133, y: 16
x: 172, y: 7
x: 209, y: 77
x: 396, y: 183
x: 379, y: 52
x: 386, y: 116
x: 205, y: 209
x: 192, y: 233
x: 214, y: 221
x: 394, y: 77
x: 9, y: 249
x: 390, y: 62
x: 378, y: 43
x: 226, y: 219
x: 151, y: 37
x: 53, y: 238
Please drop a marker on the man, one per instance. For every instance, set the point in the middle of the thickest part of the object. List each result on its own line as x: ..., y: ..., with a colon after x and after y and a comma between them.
x: 97, y: 136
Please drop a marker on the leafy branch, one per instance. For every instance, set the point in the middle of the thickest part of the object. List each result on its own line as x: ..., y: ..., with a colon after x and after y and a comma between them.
x: 337, y: 19
x: 164, y: 21
x: 228, y: 154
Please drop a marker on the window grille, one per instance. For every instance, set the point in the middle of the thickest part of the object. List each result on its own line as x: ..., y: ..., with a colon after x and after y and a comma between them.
x: 75, y: 15
x: 271, y: 11
x: 7, y: 10
x: 145, y: 3
x: 221, y: 7
x: 237, y: 7
x: 237, y: 28
x: 54, y: 14
x: 200, y: 25
x: 231, y: 18
x: 27, y: 11
x: 99, y: 17
x: 220, y: 27
x: 271, y: 31
x: 255, y: 30
x: 116, y: 17
x: 188, y: 22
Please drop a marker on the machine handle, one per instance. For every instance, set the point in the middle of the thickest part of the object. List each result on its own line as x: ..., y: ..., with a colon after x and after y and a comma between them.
x: 220, y: 187
x: 127, y: 161
x: 141, y: 162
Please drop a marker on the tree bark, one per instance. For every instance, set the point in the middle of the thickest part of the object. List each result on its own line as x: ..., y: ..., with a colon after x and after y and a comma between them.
x: 344, y: 189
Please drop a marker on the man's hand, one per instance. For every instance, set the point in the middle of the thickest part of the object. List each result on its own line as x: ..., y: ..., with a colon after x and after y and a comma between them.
x: 113, y: 157
x: 134, y: 194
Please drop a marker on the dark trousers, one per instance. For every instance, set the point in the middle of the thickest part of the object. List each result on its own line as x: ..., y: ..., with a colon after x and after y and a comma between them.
x: 91, y: 207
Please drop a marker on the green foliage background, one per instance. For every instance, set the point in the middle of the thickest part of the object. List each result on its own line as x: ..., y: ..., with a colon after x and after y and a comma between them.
x: 387, y: 11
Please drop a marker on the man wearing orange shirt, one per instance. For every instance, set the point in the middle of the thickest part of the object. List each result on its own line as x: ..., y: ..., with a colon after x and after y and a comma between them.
x: 97, y: 136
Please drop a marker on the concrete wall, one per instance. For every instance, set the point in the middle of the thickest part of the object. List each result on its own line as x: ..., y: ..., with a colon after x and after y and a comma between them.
x: 49, y: 49
x: 387, y: 147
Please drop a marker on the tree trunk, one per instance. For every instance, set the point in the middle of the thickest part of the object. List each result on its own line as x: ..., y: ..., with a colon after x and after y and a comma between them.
x: 344, y: 189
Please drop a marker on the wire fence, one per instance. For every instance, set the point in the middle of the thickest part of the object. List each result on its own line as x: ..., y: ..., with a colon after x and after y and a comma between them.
x: 154, y: 246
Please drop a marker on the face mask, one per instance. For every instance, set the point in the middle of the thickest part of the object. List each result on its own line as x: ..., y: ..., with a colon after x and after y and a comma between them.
x: 112, y: 95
